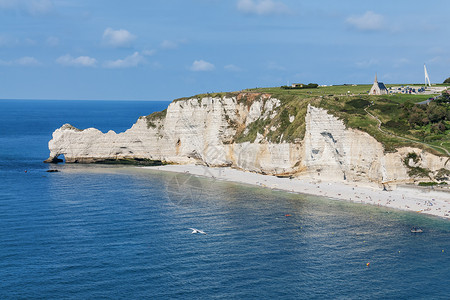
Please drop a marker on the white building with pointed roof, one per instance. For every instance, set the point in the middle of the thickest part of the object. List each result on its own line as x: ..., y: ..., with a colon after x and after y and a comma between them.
x: 378, y: 88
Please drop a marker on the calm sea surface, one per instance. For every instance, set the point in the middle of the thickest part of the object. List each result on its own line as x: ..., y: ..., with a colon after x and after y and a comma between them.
x: 92, y: 232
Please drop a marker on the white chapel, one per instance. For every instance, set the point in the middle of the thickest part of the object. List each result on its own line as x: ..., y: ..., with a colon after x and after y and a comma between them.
x: 378, y: 88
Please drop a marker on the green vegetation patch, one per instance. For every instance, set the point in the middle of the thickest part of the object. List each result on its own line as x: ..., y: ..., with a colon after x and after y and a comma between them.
x: 358, y: 103
x: 250, y: 133
x: 442, y: 174
x: 415, y: 171
x: 207, y: 95
x: 428, y: 183
x: 131, y: 161
x: 68, y: 126
x: 418, y: 172
x: 156, y: 116
x: 411, y: 155
x: 338, y: 90
x: 300, y: 87
x: 431, y: 183
x: 292, y: 106
x: 429, y: 124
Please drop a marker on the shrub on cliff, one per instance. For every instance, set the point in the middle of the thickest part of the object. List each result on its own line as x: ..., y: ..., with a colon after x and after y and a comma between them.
x: 443, y: 174
x: 444, y: 98
x: 306, y: 86
x: 153, y: 117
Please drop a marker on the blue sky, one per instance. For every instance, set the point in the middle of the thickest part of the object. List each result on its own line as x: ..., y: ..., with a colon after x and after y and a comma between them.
x: 164, y: 49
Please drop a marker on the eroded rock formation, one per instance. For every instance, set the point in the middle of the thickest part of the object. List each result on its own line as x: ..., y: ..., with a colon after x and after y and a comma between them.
x: 223, y: 131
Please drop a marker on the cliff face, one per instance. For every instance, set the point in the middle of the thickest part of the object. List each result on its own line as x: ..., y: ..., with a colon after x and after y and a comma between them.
x: 234, y: 131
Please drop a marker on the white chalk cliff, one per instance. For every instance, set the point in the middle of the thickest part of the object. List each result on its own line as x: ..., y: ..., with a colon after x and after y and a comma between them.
x: 204, y: 131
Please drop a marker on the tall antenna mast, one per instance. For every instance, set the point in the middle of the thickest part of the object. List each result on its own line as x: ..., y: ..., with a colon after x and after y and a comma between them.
x: 426, y: 76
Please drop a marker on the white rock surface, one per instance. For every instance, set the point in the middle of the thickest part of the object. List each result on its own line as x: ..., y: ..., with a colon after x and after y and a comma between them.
x: 203, y: 130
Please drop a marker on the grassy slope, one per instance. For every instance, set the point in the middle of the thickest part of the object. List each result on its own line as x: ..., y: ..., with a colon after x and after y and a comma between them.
x: 348, y: 103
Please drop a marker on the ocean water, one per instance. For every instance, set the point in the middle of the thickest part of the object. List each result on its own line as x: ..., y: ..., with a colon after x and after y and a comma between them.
x: 91, y: 232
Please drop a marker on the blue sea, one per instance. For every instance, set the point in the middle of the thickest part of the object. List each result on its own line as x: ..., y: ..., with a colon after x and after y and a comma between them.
x: 116, y: 232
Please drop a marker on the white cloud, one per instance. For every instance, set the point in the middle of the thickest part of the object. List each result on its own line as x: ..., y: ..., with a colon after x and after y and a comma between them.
x: 169, y: 44
x: 5, y: 63
x: 26, y: 61
x: 156, y: 65
x: 8, y: 4
x: 366, y: 63
x: 30, y: 42
x: 81, y: 61
x: 232, y: 68
x: 148, y: 52
x: 6, y: 41
x: 442, y: 60
x: 118, y: 38
x: 10, y: 41
x: 201, y: 65
x: 40, y: 7
x: 32, y: 7
x: 262, y: 7
x: 130, y: 61
x: 369, y: 21
x: 437, y: 50
x: 52, y: 41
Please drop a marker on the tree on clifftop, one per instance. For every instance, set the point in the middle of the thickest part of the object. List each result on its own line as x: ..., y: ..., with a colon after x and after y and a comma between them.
x: 447, y: 80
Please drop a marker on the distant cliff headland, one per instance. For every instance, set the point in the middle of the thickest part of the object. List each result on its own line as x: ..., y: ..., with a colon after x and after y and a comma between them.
x: 336, y: 132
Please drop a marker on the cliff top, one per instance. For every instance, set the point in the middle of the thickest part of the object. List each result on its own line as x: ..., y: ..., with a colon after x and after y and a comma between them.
x: 394, y: 120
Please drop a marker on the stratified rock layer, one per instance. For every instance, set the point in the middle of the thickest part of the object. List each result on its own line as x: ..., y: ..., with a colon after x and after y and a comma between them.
x: 205, y: 130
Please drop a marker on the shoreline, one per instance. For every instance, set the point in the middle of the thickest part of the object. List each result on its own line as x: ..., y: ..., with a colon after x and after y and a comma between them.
x: 427, y: 201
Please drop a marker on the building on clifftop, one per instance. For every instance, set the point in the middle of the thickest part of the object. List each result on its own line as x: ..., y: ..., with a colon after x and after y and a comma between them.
x: 378, y: 88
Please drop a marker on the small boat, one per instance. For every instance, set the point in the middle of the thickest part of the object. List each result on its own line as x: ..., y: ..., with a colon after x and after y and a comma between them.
x: 416, y: 230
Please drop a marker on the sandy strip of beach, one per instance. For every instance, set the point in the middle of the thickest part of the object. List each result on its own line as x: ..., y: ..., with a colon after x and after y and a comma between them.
x: 420, y: 200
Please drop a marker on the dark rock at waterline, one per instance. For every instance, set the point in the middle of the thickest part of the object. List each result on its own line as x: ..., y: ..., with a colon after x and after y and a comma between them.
x: 52, y: 171
x: 53, y: 160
